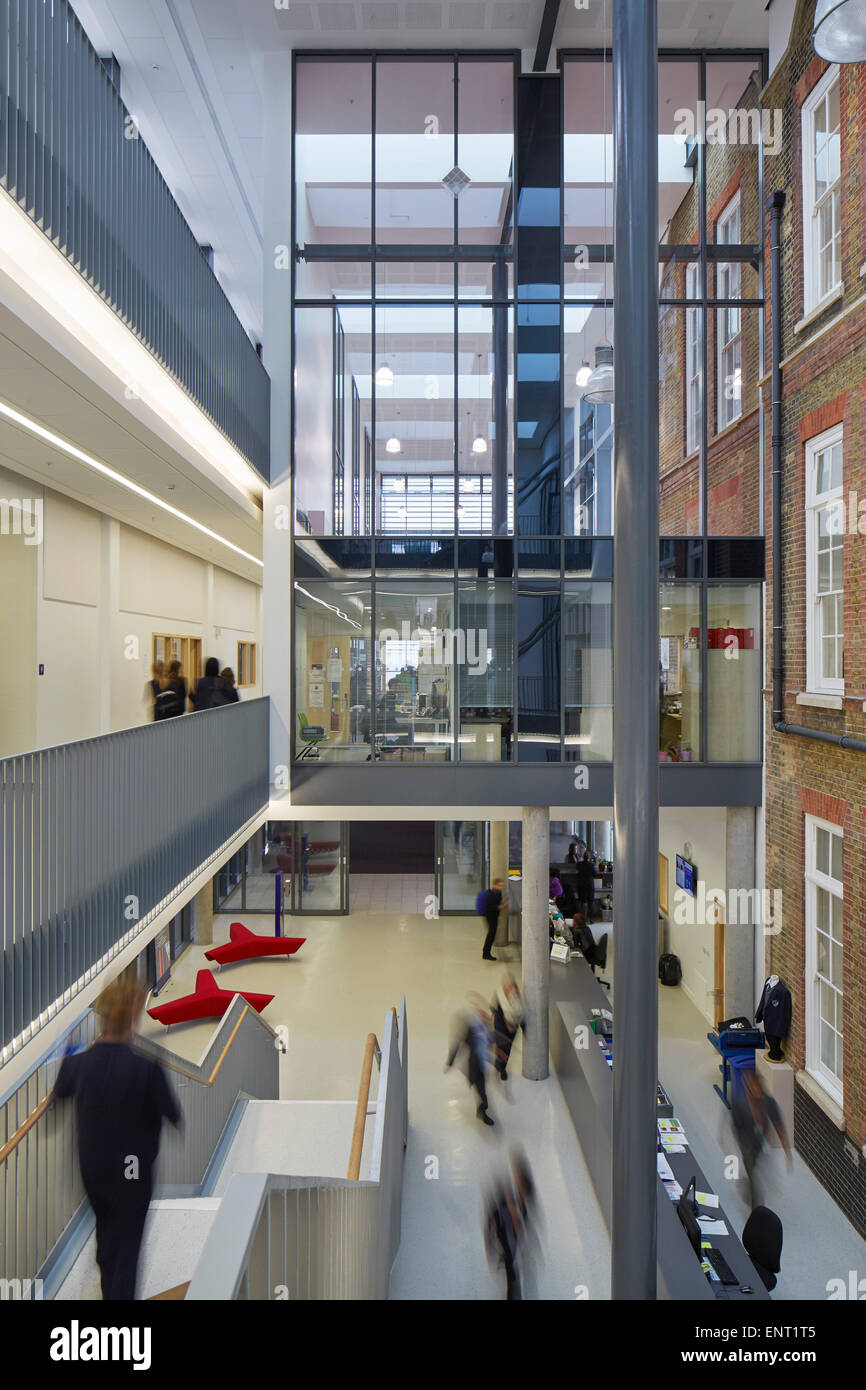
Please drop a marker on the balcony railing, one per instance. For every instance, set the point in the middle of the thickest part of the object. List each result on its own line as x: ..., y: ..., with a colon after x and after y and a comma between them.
x: 72, y: 158
x: 96, y: 835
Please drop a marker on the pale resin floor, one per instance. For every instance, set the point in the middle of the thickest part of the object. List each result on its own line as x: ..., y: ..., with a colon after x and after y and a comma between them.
x: 338, y: 988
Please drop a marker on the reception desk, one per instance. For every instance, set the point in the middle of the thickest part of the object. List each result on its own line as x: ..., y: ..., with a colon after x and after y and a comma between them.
x: 587, y: 1085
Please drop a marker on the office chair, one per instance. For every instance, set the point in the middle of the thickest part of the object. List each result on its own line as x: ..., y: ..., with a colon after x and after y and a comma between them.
x: 594, y: 952
x: 762, y: 1242
x: 312, y: 735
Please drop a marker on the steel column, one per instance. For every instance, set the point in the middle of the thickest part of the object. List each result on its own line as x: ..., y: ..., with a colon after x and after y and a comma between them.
x: 636, y: 651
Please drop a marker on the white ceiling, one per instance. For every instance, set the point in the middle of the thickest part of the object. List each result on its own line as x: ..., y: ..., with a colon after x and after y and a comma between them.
x: 192, y: 76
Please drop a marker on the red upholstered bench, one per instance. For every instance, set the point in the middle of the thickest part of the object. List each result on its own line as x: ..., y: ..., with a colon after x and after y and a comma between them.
x: 247, y: 945
x: 208, y: 1001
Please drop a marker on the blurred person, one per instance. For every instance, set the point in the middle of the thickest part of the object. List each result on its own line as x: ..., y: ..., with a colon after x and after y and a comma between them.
x: 509, y: 1222
x: 508, y: 1016
x: 227, y: 677
x: 121, y: 1099
x: 572, y: 854
x: 210, y: 692
x: 495, y: 902
x: 472, y: 1033
x: 154, y: 685
x: 171, y: 700
x: 586, y: 885
x: 753, y: 1112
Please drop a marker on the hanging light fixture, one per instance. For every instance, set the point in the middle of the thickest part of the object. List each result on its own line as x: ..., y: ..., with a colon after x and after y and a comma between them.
x: 384, y: 376
x: 479, y: 444
x: 584, y: 372
x: 839, y: 34
x: 599, y: 388
x: 393, y: 445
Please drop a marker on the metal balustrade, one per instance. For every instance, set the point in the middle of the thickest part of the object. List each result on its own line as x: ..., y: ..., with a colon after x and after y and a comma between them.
x: 42, y: 1198
x: 96, y: 835
x: 280, y: 1237
x: 72, y: 158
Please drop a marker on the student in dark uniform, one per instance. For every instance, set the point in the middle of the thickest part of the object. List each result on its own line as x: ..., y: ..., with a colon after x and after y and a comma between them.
x: 121, y: 1099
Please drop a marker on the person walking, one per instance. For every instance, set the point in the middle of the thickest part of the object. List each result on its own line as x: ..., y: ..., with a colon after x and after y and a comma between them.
x: 494, y: 902
x: 509, y: 1223
x: 586, y: 885
x: 210, y: 691
x: 753, y: 1112
x: 508, y: 1016
x: 121, y: 1099
x: 472, y: 1034
x: 227, y: 676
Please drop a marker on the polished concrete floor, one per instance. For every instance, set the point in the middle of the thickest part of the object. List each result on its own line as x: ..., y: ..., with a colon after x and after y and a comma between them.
x: 338, y: 988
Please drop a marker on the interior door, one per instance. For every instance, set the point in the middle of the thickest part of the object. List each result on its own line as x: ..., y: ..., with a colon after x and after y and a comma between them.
x: 462, y: 857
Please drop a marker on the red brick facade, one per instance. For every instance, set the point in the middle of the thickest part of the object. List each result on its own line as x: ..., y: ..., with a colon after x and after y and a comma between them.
x: 824, y: 366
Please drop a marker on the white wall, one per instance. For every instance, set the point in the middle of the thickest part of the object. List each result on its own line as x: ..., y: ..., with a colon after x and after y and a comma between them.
x: 705, y: 830
x: 85, y: 603
x: 19, y: 563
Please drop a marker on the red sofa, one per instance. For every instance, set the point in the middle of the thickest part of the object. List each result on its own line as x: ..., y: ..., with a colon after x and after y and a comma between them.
x: 208, y: 1001
x: 246, y: 945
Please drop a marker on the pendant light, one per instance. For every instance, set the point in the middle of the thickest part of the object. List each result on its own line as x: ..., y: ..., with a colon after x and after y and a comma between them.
x: 384, y: 375
x: 839, y: 34
x: 599, y: 388
x: 479, y: 444
x: 393, y: 445
x: 584, y: 372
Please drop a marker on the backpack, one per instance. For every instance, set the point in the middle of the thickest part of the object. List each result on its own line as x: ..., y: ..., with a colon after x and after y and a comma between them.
x: 219, y: 696
x: 481, y: 902
x: 167, y: 704
x: 670, y: 970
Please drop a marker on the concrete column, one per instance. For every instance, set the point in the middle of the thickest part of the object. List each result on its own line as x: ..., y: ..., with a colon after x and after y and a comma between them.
x: 740, y: 935
x: 203, y: 915
x: 499, y: 869
x: 109, y: 654
x: 278, y: 517
x: 536, y: 940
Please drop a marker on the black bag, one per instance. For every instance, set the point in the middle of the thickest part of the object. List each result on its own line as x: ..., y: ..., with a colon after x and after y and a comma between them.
x: 168, y: 704
x: 220, y: 696
x: 670, y: 970
x: 687, y: 1211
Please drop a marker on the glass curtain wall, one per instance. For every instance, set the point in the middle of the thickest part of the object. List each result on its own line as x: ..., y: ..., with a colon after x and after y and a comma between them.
x: 453, y: 406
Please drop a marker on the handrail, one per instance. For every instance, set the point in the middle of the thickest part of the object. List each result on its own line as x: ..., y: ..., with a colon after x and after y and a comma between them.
x: 28, y: 1124
x: 12, y: 1143
x: 371, y: 1049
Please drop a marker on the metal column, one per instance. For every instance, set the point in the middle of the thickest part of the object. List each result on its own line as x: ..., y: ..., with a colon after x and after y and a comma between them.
x: 636, y: 651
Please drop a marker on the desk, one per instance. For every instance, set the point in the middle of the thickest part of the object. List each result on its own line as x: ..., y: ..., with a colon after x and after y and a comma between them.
x: 587, y: 1086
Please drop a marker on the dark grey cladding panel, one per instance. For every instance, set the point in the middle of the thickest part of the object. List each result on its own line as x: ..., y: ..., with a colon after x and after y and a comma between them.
x: 342, y: 784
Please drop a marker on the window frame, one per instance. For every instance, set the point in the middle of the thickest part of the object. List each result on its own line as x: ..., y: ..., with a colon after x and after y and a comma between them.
x: 728, y: 409
x: 694, y: 416
x: 819, y: 94
x: 817, y: 502
x: 813, y: 880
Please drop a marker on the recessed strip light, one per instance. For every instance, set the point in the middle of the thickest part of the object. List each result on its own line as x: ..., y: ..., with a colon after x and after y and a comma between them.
x: 33, y: 427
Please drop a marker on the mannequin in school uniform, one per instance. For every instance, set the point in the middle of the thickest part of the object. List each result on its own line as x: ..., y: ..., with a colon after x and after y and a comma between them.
x: 774, y: 1011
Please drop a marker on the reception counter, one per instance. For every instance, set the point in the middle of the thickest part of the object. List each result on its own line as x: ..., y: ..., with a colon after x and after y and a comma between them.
x: 587, y: 1085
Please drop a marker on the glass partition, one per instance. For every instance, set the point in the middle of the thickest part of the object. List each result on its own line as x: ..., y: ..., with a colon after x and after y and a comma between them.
x: 417, y: 655
x: 332, y: 643
x: 734, y: 710
x: 680, y: 673
x: 588, y: 672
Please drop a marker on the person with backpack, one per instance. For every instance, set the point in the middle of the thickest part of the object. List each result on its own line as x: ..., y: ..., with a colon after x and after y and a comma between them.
x: 509, y: 1226
x: 210, y: 692
x: 489, y: 903
x: 472, y: 1034
x: 170, y: 700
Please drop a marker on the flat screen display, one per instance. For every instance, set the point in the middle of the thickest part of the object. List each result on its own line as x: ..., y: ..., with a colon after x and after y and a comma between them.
x: 686, y: 875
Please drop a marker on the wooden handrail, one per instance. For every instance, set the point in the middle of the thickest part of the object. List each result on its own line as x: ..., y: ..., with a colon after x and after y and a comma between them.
x: 28, y: 1124
x: 12, y: 1144
x: 370, y: 1049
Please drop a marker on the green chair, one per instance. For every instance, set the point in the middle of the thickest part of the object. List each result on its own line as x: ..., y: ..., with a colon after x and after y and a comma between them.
x: 311, y: 736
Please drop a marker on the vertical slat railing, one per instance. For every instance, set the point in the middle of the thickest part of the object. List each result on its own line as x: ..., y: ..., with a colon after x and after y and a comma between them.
x: 91, y: 825
x: 66, y: 159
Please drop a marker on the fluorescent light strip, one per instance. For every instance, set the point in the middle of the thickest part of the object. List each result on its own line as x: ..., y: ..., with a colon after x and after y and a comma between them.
x: 33, y: 427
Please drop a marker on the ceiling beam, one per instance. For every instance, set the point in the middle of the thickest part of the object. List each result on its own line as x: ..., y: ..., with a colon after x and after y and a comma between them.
x: 545, y: 35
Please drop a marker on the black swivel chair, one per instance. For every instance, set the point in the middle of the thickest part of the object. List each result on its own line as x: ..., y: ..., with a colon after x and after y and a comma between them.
x: 594, y: 952
x: 762, y: 1242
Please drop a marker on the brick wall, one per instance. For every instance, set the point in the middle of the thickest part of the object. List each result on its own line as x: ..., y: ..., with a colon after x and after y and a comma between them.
x: 823, y: 373
x: 733, y: 468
